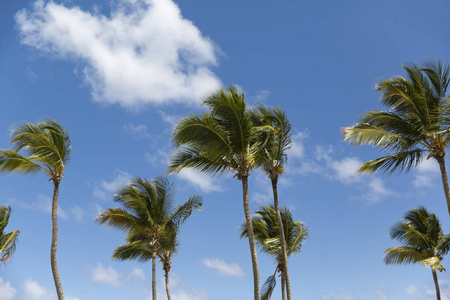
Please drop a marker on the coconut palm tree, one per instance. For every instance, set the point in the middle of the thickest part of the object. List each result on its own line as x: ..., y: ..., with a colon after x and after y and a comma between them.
x: 423, y: 242
x: 416, y: 124
x: 8, y: 241
x: 267, y: 235
x: 46, y: 146
x: 222, y: 140
x: 273, y: 160
x: 147, y: 214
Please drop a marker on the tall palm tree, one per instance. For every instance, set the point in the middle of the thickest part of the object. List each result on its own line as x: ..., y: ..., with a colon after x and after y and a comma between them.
x: 8, y: 241
x: 416, y: 123
x: 46, y: 146
x: 273, y: 160
x: 222, y: 140
x: 147, y: 214
x: 423, y: 242
x: 267, y: 235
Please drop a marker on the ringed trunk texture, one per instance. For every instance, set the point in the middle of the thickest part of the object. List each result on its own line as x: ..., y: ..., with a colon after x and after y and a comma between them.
x: 436, y: 284
x: 283, y: 286
x: 154, y: 273
x: 441, y: 162
x: 54, y: 246
x: 167, y: 285
x: 251, y: 239
x: 282, y: 239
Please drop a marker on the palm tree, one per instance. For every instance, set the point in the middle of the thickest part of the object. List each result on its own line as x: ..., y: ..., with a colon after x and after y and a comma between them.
x: 169, y: 245
x: 222, y: 140
x: 147, y: 215
x: 423, y: 242
x: 273, y: 161
x: 416, y: 124
x: 46, y: 146
x: 8, y: 241
x: 267, y: 235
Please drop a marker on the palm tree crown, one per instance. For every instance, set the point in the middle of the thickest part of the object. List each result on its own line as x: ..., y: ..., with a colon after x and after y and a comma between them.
x: 416, y: 124
x: 8, y: 241
x: 423, y: 242
x: 267, y: 235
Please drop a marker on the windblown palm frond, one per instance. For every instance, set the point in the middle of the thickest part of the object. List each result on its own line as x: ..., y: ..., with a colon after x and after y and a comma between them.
x: 8, y: 241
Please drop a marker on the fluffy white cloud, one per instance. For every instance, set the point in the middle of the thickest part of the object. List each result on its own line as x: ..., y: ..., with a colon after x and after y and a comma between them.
x: 223, y: 268
x: 104, y: 275
x: 426, y: 173
x: 346, y: 169
x: 7, y: 292
x: 204, y: 182
x: 144, y: 52
x: 33, y: 291
x: 106, y: 189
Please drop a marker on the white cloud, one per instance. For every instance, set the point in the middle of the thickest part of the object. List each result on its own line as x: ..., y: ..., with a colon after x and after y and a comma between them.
x: 158, y: 159
x: 42, y: 204
x: 104, y: 275
x: 426, y: 173
x: 7, y: 292
x: 33, y: 291
x: 204, y: 182
x: 136, y: 131
x: 223, y: 268
x: 261, y: 95
x: 377, y: 190
x: 297, y: 149
x: 106, y: 189
x: 137, y: 276
x: 171, y: 119
x: 144, y: 52
x: 346, y: 169
x: 264, y: 194
x: 412, y: 290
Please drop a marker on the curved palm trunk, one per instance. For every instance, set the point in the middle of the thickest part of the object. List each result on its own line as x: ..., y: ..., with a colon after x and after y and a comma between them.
x: 54, y: 246
x: 441, y: 162
x: 154, y: 273
x: 167, y: 284
x: 283, y: 285
x: 285, y: 271
x: 251, y: 238
x: 436, y: 284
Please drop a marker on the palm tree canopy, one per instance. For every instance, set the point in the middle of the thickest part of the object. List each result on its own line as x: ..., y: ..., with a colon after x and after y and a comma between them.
x: 415, y: 124
x: 8, y: 241
x: 279, y: 140
x: 46, y: 146
x: 267, y: 233
x: 221, y: 140
x: 148, y: 215
x: 422, y: 238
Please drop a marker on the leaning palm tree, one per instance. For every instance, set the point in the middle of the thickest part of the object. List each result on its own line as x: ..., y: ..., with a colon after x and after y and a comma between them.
x: 46, y: 146
x: 267, y: 235
x: 423, y: 242
x: 8, y: 241
x: 147, y: 215
x: 222, y: 140
x: 416, y: 124
x: 273, y: 160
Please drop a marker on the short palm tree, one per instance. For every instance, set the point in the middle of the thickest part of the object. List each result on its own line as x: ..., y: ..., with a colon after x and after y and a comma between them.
x: 8, y: 241
x: 273, y: 160
x: 148, y: 215
x: 46, y: 146
x: 416, y: 124
x: 222, y: 140
x: 267, y: 235
x: 423, y: 242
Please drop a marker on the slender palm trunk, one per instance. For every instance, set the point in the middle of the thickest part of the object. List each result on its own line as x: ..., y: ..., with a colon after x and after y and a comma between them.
x: 251, y: 239
x: 283, y: 286
x: 441, y: 162
x: 154, y: 273
x: 54, y: 246
x: 167, y: 284
x: 436, y: 284
x: 282, y: 237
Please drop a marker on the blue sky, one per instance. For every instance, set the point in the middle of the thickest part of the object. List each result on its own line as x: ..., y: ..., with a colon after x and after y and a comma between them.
x: 118, y: 74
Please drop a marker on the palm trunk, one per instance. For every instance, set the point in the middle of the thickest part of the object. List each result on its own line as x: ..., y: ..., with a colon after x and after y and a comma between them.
x: 441, y: 162
x: 167, y: 284
x: 436, y: 284
x: 154, y: 272
x: 282, y: 237
x: 251, y: 239
x: 54, y: 246
x: 283, y: 286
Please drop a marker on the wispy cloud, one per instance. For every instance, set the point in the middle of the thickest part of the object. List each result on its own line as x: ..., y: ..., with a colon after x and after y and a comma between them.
x: 223, y: 268
x: 202, y: 181
x: 29, y: 290
x: 144, y: 52
x: 136, y: 131
x: 104, y: 275
x: 43, y: 204
x: 106, y: 188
